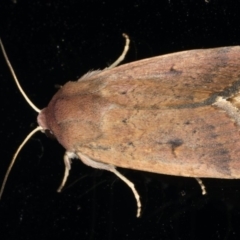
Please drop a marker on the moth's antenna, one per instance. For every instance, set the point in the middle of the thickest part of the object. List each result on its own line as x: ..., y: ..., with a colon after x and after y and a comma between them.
x: 15, y: 156
x: 16, y: 80
x: 31, y: 133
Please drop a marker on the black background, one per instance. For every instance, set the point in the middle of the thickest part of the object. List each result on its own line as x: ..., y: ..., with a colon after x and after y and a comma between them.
x: 51, y: 42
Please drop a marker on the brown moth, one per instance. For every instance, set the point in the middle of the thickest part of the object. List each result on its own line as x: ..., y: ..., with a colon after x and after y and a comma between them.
x: 175, y: 114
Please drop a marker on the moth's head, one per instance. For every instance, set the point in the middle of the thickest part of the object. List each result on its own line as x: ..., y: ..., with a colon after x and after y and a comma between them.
x: 42, y: 122
x: 41, y: 119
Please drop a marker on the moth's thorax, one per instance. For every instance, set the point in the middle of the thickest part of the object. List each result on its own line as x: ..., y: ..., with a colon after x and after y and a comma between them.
x: 73, y: 116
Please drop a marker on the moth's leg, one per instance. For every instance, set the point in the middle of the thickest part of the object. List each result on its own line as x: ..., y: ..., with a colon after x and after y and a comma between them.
x: 202, y: 186
x: 67, y: 162
x: 122, y: 56
x: 86, y: 160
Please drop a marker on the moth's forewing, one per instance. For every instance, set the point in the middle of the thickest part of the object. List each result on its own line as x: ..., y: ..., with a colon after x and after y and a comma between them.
x: 156, y: 114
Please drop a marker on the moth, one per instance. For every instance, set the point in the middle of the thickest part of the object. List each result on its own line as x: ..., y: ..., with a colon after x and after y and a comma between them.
x: 176, y: 114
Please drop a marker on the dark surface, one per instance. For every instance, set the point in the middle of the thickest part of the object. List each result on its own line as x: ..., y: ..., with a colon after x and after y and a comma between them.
x: 48, y: 43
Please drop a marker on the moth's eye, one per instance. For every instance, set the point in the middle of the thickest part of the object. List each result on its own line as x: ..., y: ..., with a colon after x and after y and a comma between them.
x: 49, y: 134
